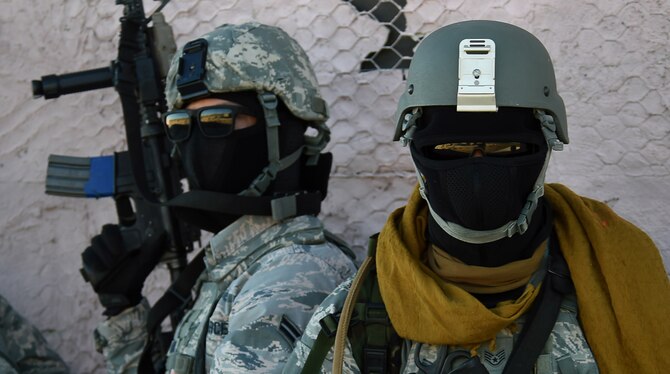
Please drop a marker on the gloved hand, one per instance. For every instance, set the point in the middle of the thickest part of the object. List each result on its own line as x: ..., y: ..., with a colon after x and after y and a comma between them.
x: 117, y: 273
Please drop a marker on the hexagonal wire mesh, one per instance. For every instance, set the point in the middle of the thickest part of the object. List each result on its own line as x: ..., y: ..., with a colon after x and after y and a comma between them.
x: 610, y: 59
x: 399, y: 46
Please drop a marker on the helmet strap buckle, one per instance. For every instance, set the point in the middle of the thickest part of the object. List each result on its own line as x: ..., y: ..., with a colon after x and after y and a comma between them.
x: 549, y: 130
x: 409, y: 126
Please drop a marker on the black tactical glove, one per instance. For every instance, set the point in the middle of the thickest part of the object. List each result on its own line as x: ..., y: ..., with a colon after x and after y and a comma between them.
x: 117, y: 273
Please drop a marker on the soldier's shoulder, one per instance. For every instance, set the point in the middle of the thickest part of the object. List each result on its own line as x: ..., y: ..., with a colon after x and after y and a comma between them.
x: 331, y: 305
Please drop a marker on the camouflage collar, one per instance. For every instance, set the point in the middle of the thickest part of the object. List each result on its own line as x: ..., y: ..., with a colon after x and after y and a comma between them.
x: 249, y: 234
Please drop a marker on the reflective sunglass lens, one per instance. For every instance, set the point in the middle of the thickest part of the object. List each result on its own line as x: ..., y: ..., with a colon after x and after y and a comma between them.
x: 504, y: 149
x: 177, y: 125
x: 217, y: 122
x: 466, y: 149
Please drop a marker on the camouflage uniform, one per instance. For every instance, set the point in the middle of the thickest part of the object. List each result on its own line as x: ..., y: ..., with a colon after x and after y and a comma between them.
x: 22, y: 347
x: 566, y: 350
x: 263, y: 280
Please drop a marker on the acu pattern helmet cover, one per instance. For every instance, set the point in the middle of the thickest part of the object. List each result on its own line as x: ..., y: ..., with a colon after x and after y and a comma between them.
x: 256, y: 57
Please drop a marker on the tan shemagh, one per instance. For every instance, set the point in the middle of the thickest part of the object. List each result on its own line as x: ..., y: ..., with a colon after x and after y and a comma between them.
x: 481, y: 279
x: 421, y: 305
x: 622, y: 288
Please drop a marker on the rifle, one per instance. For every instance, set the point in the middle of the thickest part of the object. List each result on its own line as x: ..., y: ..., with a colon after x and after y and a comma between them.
x: 144, y: 177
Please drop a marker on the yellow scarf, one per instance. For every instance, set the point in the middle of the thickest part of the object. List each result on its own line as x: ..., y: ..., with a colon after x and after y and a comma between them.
x: 481, y: 279
x: 622, y: 288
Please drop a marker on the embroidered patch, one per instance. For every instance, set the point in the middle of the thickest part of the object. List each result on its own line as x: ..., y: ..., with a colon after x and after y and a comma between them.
x: 217, y: 328
x: 494, y: 359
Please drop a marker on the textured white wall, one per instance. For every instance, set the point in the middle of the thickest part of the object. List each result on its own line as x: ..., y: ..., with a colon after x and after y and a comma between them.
x: 611, y: 59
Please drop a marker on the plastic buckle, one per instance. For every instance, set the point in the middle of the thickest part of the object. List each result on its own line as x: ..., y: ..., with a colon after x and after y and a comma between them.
x: 549, y: 130
x: 408, y: 127
x: 375, y: 313
x: 329, y: 324
x: 523, y: 224
x: 374, y: 360
x: 270, y: 102
x: 261, y: 183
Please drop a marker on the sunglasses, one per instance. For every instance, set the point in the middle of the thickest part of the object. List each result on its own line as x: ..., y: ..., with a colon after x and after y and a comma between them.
x: 467, y: 149
x: 213, y: 121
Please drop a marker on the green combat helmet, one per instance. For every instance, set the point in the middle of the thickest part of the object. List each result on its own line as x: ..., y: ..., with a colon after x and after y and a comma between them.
x: 262, y: 59
x: 479, y: 66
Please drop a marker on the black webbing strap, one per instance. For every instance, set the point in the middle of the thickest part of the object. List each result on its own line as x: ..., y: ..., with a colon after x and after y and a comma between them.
x: 370, y: 334
x: 177, y: 296
x: 375, y: 343
x: 543, y: 314
x: 379, y: 339
x: 305, y: 203
x: 126, y: 86
x: 317, y: 355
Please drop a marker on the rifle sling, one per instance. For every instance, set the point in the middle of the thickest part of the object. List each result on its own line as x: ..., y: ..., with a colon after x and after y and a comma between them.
x: 542, y: 316
x: 126, y: 85
x: 175, y: 298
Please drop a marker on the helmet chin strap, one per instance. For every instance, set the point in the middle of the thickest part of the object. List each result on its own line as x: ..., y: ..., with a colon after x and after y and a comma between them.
x: 285, y: 206
x: 520, y: 225
x: 260, y: 184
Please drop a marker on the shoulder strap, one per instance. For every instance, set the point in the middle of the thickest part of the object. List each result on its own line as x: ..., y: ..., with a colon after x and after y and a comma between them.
x: 364, y: 322
x: 347, y: 312
x: 324, y: 341
x: 374, y: 343
x: 543, y: 314
x: 332, y: 323
x: 279, y: 208
x: 175, y: 299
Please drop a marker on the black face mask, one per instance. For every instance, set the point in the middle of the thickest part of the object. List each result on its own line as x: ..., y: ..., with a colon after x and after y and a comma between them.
x: 227, y: 164
x: 479, y: 193
x: 230, y: 164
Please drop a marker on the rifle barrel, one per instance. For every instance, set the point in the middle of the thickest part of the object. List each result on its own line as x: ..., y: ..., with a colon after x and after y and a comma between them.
x: 52, y: 86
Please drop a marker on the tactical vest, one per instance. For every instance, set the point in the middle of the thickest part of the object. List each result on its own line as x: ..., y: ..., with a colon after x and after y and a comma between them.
x: 377, y: 349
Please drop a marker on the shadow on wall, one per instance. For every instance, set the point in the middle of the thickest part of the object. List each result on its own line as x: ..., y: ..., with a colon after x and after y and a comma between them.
x: 398, y: 49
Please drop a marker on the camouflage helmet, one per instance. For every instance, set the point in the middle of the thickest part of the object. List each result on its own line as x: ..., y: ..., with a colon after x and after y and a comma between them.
x: 522, y: 75
x: 256, y: 57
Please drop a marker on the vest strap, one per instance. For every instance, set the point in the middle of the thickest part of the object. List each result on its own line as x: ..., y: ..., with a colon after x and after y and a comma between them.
x: 543, y: 314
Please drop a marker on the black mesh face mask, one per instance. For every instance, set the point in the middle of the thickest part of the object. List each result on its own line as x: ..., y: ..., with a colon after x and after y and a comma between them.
x: 478, y: 193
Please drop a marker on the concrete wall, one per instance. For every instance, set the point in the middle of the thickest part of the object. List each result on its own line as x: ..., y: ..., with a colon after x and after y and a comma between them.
x: 611, y: 59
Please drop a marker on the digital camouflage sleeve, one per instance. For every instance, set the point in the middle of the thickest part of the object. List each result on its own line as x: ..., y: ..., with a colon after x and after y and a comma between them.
x: 23, y: 349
